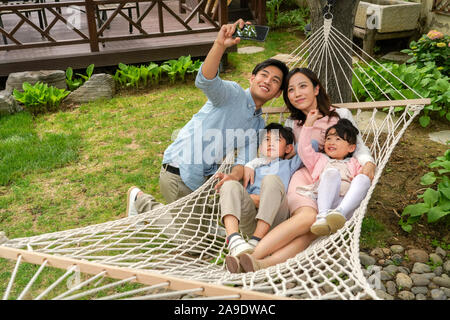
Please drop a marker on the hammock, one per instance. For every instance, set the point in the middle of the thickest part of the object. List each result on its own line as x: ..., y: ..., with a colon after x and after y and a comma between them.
x: 177, y: 250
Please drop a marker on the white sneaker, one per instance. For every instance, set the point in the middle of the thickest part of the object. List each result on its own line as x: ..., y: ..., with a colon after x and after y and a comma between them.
x: 320, y: 227
x: 253, y: 242
x: 335, y: 220
x: 239, y: 246
x: 131, y: 199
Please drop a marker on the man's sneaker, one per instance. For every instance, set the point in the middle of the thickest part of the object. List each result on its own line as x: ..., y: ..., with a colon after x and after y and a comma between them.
x: 131, y: 199
x: 238, y: 246
x: 320, y: 227
x: 335, y: 220
x: 232, y: 264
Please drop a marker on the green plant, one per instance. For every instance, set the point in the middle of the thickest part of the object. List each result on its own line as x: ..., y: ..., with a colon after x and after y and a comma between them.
x: 40, y: 97
x: 431, y: 47
x: 428, y: 81
x: 75, y: 83
x: 175, y: 68
x: 436, y: 202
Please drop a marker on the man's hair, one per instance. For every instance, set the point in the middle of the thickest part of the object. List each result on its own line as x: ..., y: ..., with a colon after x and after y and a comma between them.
x: 284, y: 132
x: 345, y: 130
x: 276, y: 63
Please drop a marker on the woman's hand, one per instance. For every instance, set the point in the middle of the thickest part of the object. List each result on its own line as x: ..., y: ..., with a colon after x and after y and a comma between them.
x: 249, y: 176
x: 311, y: 117
x: 369, y: 170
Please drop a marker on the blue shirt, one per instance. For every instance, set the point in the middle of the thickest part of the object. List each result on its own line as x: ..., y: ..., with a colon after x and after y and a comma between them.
x: 228, y: 120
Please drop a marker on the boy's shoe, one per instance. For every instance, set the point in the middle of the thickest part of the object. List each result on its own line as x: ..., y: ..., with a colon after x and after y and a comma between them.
x: 238, y: 246
x: 253, y: 242
x: 248, y: 263
x: 232, y: 264
x: 131, y: 199
x: 320, y: 227
x: 335, y: 220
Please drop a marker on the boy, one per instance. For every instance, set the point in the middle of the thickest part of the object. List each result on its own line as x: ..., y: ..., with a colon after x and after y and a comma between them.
x: 185, y: 165
x: 262, y: 205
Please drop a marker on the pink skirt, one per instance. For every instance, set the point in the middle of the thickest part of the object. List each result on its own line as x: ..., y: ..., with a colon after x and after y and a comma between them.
x: 295, y: 200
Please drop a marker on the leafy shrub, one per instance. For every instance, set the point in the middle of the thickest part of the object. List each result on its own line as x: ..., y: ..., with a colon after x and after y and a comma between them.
x: 436, y: 202
x: 428, y: 81
x: 75, y: 83
x: 278, y: 18
x: 432, y: 47
x: 40, y: 98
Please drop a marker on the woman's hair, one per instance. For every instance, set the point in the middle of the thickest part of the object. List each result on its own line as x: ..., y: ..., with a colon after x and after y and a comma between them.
x: 323, y: 100
x: 345, y: 130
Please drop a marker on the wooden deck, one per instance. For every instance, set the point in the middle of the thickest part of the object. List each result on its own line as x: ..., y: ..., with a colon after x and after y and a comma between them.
x: 115, y: 43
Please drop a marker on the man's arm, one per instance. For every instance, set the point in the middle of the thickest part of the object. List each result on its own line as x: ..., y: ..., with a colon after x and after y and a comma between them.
x: 223, y: 41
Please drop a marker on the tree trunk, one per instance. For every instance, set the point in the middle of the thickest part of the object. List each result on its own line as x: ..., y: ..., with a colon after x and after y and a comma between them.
x: 343, y: 12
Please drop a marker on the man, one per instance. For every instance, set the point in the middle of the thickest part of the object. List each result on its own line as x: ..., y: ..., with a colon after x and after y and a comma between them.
x: 231, y: 118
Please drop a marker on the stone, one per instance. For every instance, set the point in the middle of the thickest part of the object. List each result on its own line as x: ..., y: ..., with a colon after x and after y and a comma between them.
x: 442, y: 281
x: 98, y: 86
x: 3, y: 237
x: 406, y: 295
x: 436, y: 259
x: 397, y: 248
x: 419, y: 279
x: 366, y: 260
x: 440, y: 137
x: 396, y: 56
x: 420, y: 267
x: 403, y: 281
x: 438, y: 294
x: 397, y: 259
x: 438, y: 270
x: 420, y: 296
x: 383, y: 295
x: 446, y: 266
x: 446, y: 291
x: 388, y: 262
x: 441, y: 252
x: 364, y: 119
x: 417, y: 255
x: 419, y: 290
x: 391, y: 269
x: 55, y: 78
x: 391, y: 288
x: 250, y: 50
x: 386, y: 251
x: 8, y: 105
x: 377, y: 253
x: 385, y: 276
x: 432, y: 286
x: 403, y: 270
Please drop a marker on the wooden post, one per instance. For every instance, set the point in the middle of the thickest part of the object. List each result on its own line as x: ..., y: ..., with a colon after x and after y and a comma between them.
x: 261, y: 15
x: 223, y: 12
x: 92, y: 27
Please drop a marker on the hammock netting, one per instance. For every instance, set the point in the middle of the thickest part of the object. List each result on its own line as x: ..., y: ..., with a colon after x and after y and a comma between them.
x: 184, y: 239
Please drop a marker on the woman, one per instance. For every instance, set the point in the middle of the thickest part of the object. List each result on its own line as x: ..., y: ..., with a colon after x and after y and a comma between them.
x: 302, y: 94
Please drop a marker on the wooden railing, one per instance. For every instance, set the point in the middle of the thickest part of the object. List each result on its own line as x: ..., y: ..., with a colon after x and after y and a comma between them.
x: 90, y: 32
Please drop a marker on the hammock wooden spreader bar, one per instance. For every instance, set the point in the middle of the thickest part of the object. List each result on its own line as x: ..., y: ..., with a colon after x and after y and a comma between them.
x: 141, y: 276
x: 361, y: 105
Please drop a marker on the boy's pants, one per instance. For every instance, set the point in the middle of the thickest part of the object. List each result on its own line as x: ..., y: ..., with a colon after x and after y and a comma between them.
x: 273, y: 208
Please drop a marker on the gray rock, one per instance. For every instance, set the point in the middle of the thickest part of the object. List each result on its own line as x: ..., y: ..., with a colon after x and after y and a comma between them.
x: 56, y: 78
x: 391, y: 288
x: 442, y: 281
x: 417, y: 255
x: 250, y: 49
x: 385, y: 276
x: 420, y: 296
x: 98, y: 86
x: 8, y: 105
x: 419, y: 279
x: 397, y: 248
x: 406, y: 295
x: 446, y: 291
x: 436, y: 259
x: 383, y: 295
x: 440, y: 137
x: 429, y: 275
x: 396, y: 56
x: 419, y: 290
x: 388, y: 262
x: 438, y: 294
x: 403, y: 270
x: 397, y: 259
x: 366, y: 260
x: 420, y: 267
x: 446, y: 266
x: 432, y: 286
x: 441, y: 252
x: 391, y: 269
x: 403, y: 281
x: 438, y: 270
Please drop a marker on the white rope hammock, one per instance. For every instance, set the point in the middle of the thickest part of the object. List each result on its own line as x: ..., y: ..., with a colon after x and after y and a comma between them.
x: 177, y: 250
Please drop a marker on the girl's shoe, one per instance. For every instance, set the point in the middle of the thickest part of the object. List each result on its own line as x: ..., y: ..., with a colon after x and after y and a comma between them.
x: 238, y: 246
x: 248, y: 263
x: 232, y: 264
x: 131, y: 198
x: 335, y: 220
x: 320, y: 227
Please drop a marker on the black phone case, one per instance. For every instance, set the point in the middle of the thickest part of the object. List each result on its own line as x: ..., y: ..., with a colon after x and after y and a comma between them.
x: 261, y: 33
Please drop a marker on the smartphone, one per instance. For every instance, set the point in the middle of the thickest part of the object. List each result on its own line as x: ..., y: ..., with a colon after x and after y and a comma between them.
x: 252, y: 32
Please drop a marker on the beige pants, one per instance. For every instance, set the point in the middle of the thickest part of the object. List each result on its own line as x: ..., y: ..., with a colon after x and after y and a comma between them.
x: 273, y: 208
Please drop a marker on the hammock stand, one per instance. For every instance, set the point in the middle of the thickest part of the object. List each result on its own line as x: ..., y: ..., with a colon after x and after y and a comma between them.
x: 177, y: 250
